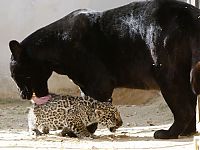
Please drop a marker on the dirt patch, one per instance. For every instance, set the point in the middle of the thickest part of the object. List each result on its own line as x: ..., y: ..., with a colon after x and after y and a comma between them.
x: 13, y: 114
x: 140, y: 122
x: 125, y: 96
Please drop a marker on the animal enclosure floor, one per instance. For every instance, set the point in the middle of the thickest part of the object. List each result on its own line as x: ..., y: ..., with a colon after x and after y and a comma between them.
x: 140, y: 122
x: 137, y: 138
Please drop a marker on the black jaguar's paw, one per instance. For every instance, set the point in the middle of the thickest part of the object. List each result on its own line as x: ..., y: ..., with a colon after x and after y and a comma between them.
x: 164, y: 134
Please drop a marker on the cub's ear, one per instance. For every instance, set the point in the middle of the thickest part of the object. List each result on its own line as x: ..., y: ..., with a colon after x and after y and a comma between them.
x: 15, y: 49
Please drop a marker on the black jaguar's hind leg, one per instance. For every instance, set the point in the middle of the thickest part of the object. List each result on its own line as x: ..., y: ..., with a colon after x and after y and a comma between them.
x: 190, y: 129
x: 183, y: 116
x: 181, y: 100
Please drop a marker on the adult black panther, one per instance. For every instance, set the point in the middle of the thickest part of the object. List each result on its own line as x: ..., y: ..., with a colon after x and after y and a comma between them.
x: 144, y: 45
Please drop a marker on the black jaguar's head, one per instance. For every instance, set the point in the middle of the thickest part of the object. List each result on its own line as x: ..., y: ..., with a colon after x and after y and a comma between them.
x: 28, y: 75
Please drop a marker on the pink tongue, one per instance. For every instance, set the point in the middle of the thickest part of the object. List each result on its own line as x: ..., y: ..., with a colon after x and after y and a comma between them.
x: 41, y: 100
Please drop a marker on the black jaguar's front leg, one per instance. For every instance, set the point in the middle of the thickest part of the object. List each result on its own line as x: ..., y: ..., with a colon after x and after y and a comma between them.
x: 100, y: 89
x: 96, y: 80
x: 181, y: 100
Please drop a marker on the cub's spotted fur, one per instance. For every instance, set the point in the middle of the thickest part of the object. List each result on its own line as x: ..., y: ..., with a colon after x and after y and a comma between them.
x: 74, y: 115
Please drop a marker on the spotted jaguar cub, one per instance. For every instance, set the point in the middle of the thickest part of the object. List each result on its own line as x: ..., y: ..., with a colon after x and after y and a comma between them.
x: 73, y: 115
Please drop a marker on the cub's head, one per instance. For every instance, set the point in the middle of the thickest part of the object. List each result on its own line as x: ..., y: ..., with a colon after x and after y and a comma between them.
x: 29, y: 75
x: 109, y: 116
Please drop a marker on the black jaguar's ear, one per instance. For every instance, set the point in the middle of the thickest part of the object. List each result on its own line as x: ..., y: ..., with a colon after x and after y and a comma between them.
x: 15, y: 48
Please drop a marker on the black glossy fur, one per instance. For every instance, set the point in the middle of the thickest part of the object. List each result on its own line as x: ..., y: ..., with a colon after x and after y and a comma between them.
x: 144, y: 45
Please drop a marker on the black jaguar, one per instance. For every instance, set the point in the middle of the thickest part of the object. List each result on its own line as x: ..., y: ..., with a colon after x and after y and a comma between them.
x: 142, y: 45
